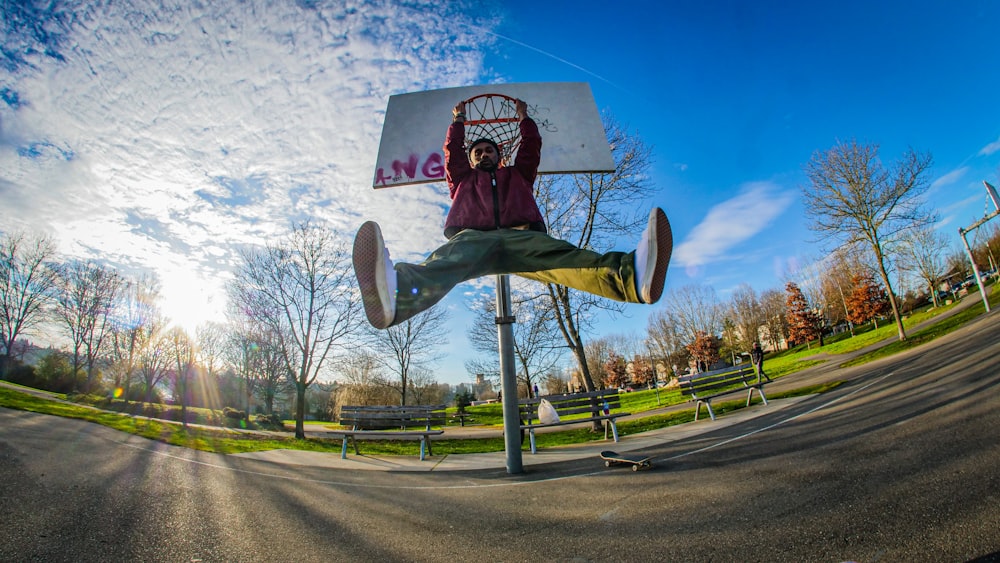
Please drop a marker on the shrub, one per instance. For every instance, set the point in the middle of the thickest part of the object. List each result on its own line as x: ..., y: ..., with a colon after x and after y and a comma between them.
x: 269, y: 421
x: 22, y: 375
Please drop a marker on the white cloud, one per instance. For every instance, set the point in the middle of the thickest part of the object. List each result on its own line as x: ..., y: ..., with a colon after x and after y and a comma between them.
x: 990, y: 148
x: 950, y: 178
x: 165, y: 136
x: 731, y: 223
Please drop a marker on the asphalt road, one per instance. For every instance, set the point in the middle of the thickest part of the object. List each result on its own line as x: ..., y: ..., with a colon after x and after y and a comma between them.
x: 900, y: 464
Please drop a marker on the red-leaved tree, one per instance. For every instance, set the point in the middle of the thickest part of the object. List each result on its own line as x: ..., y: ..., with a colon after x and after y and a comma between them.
x: 803, y: 322
x: 704, y: 349
x: 615, y: 371
x: 868, y: 301
x: 642, y: 371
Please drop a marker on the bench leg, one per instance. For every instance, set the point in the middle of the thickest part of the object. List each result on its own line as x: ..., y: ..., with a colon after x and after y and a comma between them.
x: 343, y: 450
x: 423, y: 441
x: 531, y: 439
x: 708, y: 405
x: 759, y: 392
x: 614, y: 430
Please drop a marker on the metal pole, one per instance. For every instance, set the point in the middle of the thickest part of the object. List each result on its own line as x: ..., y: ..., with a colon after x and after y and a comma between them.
x: 975, y: 270
x: 508, y: 377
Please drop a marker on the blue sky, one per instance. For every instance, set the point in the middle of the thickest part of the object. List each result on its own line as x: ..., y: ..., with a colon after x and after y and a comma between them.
x: 162, y: 136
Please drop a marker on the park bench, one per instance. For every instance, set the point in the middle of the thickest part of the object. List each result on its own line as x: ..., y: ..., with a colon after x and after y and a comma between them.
x: 390, y: 423
x: 596, y: 405
x: 706, y: 386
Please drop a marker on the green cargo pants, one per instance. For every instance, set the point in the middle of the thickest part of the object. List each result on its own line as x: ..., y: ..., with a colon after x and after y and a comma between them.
x: 530, y: 254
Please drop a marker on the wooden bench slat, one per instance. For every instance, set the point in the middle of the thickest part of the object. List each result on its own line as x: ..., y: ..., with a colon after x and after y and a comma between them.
x: 704, y: 387
x: 377, y: 422
x: 590, y: 403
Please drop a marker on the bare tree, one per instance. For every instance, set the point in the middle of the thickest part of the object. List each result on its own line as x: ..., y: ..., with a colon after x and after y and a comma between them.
x: 408, y: 348
x: 27, y: 282
x: 772, y: 303
x: 854, y: 198
x: 538, y: 344
x: 210, y: 342
x: 135, y: 312
x: 85, y: 300
x: 665, y: 340
x: 695, y: 308
x: 747, y: 315
x: 182, y: 353
x: 154, y: 355
x: 244, y: 349
x: 922, y: 253
x: 302, y: 289
x: 594, y: 211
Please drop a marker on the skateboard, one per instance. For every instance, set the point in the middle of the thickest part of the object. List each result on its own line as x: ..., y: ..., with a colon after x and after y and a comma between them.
x: 614, y: 458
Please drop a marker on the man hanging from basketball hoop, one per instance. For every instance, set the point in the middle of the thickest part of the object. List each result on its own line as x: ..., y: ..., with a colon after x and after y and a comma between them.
x: 494, y: 227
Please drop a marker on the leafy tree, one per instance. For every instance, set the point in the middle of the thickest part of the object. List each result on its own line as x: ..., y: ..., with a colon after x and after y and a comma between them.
x: 854, y: 198
x: 642, y: 371
x: 704, y: 350
x: 55, y: 373
x: 615, y: 371
x: 836, y: 275
x: 803, y: 322
x: 27, y: 283
x: 302, y: 289
x: 867, y: 301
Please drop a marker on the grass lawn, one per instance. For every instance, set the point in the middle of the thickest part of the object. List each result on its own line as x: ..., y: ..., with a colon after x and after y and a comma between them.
x: 221, y: 440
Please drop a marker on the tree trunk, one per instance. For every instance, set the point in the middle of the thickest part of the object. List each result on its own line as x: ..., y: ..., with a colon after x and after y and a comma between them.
x: 300, y: 410
x: 892, y: 296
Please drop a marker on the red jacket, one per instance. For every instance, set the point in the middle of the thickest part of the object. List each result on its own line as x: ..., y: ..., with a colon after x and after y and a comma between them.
x: 471, y: 189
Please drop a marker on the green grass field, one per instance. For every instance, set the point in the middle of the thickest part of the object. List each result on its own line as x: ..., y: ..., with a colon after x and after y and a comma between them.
x: 227, y: 441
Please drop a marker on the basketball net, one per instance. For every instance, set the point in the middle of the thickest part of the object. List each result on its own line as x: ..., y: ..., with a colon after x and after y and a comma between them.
x: 493, y: 116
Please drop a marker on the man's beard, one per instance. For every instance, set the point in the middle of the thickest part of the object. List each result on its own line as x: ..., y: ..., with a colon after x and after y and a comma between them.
x: 487, y: 166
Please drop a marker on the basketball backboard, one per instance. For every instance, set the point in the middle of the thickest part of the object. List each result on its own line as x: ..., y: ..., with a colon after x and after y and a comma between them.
x: 573, y: 138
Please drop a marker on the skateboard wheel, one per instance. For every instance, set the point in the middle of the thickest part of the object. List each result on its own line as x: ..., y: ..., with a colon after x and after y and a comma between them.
x: 635, y: 467
x: 607, y: 464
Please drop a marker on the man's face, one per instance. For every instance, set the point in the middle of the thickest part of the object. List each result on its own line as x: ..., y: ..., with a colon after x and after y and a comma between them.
x: 483, y: 156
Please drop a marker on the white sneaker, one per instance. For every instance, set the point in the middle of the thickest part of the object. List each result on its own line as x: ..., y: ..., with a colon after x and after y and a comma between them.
x: 376, y: 276
x: 652, y: 257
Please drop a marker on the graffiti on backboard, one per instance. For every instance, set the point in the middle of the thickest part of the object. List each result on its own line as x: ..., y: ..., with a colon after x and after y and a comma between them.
x: 432, y: 168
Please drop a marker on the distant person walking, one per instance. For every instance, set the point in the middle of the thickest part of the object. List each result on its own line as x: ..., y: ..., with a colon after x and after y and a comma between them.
x: 757, y: 357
